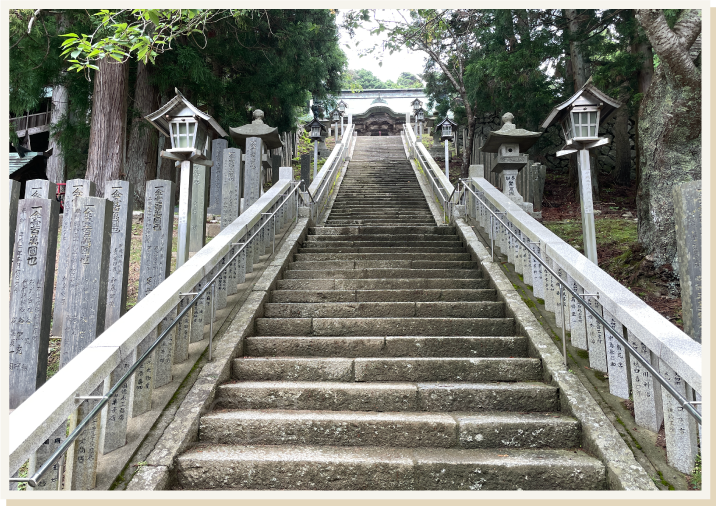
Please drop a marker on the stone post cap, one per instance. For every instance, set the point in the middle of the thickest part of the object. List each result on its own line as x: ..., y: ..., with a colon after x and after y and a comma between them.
x: 507, y: 121
x: 258, y: 116
x: 477, y: 171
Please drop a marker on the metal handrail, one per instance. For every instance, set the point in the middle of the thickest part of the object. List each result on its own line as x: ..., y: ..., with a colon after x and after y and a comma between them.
x: 32, y: 481
x: 687, y: 405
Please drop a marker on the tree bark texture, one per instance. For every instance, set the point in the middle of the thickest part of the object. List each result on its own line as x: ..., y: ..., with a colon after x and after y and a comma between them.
x: 109, y: 120
x: 141, y: 163
x: 646, y: 74
x: 622, y: 166
x: 579, y: 66
x: 56, y: 163
x: 669, y: 130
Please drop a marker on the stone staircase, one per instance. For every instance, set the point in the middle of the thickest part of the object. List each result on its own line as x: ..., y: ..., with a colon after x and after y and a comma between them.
x: 384, y: 361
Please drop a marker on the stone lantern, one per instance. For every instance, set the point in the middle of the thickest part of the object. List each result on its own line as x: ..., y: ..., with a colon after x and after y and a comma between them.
x: 416, y: 105
x: 337, y: 116
x: 189, y: 131
x: 342, y: 106
x: 420, y: 117
x: 446, y: 127
x: 579, y: 118
x: 510, y: 143
x: 254, y: 139
x: 315, y: 128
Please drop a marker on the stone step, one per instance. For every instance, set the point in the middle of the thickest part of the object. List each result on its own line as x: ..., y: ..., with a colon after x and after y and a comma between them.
x: 448, y: 295
x: 417, y: 239
x: 386, y: 346
x: 384, y: 326
x: 395, y: 213
x: 382, y: 284
x: 377, y: 249
x: 427, y: 263
x: 370, y: 369
x: 340, y: 222
x: 448, y: 247
x: 378, y: 230
x: 395, y: 396
x: 346, y: 256
x: 461, y: 309
x: 392, y: 429
x: 376, y: 273
x: 300, y: 467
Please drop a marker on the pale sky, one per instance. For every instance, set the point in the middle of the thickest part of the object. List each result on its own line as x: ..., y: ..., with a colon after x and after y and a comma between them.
x: 393, y: 65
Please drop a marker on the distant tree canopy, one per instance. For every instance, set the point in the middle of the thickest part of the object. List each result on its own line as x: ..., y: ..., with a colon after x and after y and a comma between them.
x: 365, y: 79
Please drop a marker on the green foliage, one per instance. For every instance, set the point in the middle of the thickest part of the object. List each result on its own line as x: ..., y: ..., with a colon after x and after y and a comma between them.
x: 365, y: 79
x: 35, y: 66
x: 408, y: 80
x: 142, y: 33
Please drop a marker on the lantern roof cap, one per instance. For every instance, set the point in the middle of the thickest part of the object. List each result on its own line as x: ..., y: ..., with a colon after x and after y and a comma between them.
x: 257, y: 128
x: 509, y: 133
x: 315, y: 122
x: 446, y: 120
x: 587, y: 95
x: 180, y: 106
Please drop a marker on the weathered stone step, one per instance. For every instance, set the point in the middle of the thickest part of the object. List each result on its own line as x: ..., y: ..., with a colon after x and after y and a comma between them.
x: 386, y: 346
x: 447, y: 246
x: 481, y: 309
x: 302, y: 467
x: 377, y: 249
x: 381, y: 284
x: 393, y: 429
x: 395, y: 213
x: 319, y: 257
x: 447, y: 295
x: 413, y: 238
x: 388, y: 396
x: 377, y: 230
x: 385, y: 326
x: 453, y: 369
x: 377, y: 273
x: 427, y: 263
x: 342, y: 221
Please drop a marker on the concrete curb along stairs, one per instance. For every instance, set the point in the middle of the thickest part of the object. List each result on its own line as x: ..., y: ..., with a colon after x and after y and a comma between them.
x: 385, y: 359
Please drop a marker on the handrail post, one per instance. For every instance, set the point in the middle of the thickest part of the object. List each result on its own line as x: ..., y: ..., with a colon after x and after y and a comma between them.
x: 564, y: 337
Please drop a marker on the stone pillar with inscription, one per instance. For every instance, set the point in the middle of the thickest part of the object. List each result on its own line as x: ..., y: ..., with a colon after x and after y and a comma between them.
x: 617, y: 360
x: 230, y: 186
x: 113, y: 431
x: 40, y: 189
x: 687, y: 221
x: 305, y: 171
x: 217, y: 174
x: 252, y: 171
x: 199, y: 202
x: 31, y: 285
x: 14, y: 199
x: 74, y: 189
x: 154, y: 268
x: 85, y: 310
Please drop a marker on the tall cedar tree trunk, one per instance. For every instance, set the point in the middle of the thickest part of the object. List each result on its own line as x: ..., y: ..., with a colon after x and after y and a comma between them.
x: 622, y: 167
x: 669, y: 129
x: 644, y: 78
x: 109, y: 121
x: 579, y: 77
x: 56, y: 163
x: 141, y: 165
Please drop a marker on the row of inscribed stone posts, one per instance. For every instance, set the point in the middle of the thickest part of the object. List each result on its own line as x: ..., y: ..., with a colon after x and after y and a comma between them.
x: 87, y: 314
x: 671, y: 352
